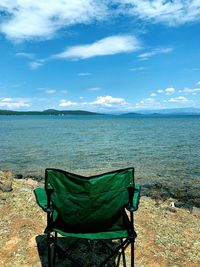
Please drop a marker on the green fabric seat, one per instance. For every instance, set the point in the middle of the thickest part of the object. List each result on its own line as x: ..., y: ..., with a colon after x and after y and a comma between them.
x: 89, y: 207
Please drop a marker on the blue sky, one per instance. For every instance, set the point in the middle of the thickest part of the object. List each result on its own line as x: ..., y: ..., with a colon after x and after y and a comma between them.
x: 108, y: 55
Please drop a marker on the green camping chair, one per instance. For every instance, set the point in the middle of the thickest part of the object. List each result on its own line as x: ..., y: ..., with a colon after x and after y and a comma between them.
x: 92, y: 207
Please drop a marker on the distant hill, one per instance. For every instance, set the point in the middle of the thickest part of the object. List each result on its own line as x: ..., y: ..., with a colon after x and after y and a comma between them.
x: 48, y: 112
x: 157, y: 112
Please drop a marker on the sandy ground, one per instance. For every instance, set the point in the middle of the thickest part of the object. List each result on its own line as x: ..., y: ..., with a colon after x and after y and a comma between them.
x: 166, y: 236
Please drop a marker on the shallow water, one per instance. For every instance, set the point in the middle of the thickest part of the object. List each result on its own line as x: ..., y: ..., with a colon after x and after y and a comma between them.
x: 158, y: 147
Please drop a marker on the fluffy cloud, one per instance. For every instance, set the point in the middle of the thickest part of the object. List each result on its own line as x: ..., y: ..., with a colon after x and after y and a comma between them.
x: 172, y: 13
x: 14, y: 103
x: 188, y: 91
x: 109, y: 101
x: 148, y: 100
x: 107, y: 46
x: 167, y: 91
x: 154, y: 52
x: 178, y: 99
x: 67, y: 103
x: 100, y: 102
x: 25, y: 20
x: 148, y: 103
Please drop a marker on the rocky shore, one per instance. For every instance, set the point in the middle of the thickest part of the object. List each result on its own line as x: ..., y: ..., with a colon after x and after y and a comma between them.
x: 168, y: 235
x: 185, y: 193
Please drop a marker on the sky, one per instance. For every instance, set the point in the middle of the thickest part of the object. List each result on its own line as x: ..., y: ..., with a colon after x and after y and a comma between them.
x: 99, y: 55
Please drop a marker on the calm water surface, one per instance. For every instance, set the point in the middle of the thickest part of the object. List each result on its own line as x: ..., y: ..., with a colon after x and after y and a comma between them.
x: 158, y: 147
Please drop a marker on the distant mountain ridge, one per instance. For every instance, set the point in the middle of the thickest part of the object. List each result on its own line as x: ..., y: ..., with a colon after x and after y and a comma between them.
x: 48, y: 112
x: 175, y: 111
x: 153, y: 112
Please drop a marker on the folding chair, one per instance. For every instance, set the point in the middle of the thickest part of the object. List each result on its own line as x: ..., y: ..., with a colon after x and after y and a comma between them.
x: 92, y: 208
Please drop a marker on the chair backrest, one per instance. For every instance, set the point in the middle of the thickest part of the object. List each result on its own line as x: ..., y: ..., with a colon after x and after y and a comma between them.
x: 90, y: 204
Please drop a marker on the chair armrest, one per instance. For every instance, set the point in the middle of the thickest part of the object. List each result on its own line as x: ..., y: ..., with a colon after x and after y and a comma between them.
x: 136, y: 196
x: 41, y: 197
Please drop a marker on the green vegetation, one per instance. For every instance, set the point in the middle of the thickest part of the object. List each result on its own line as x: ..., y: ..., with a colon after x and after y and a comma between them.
x: 48, y: 112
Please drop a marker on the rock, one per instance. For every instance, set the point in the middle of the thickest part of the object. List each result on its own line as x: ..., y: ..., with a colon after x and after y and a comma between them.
x: 18, y: 176
x: 2, y: 200
x: 179, y: 204
x: 6, y: 181
x: 172, y: 204
x: 186, y: 194
x: 6, y: 186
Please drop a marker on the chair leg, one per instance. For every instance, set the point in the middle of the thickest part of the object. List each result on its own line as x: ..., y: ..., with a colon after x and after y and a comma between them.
x: 49, y: 249
x: 132, y: 253
x: 54, y: 249
x: 123, y: 254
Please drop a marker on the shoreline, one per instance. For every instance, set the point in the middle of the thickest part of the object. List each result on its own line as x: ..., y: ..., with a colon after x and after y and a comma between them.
x: 185, y: 193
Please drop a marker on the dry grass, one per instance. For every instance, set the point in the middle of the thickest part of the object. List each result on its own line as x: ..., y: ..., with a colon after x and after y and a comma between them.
x: 165, y: 238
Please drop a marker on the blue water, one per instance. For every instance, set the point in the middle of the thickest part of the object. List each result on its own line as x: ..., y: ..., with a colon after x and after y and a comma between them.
x: 158, y: 147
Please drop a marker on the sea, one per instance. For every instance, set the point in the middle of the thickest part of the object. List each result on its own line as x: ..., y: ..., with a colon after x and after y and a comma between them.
x: 158, y: 147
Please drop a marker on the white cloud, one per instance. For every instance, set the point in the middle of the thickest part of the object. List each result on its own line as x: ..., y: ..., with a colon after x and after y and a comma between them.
x: 198, y: 83
x: 148, y: 100
x: 107, y: 46
x: 137, y: 69
x: 25, y: 55
x: 67, y: 103
x: 172, y: 13
x: 14, y: 103
x: 50, y: 91
x: 167, y: 91
x: 178, y: 99
x: 148, y: 103
x: 188, y: 91
x: 154, y: 52
x: 34, y: 65
x: 153, y: 94
x: 100, y: 103
x: 31, y: 19
x: 94, y: 89
x: 84, y: 74
x: 109, y: 101
x: 7, y: 99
